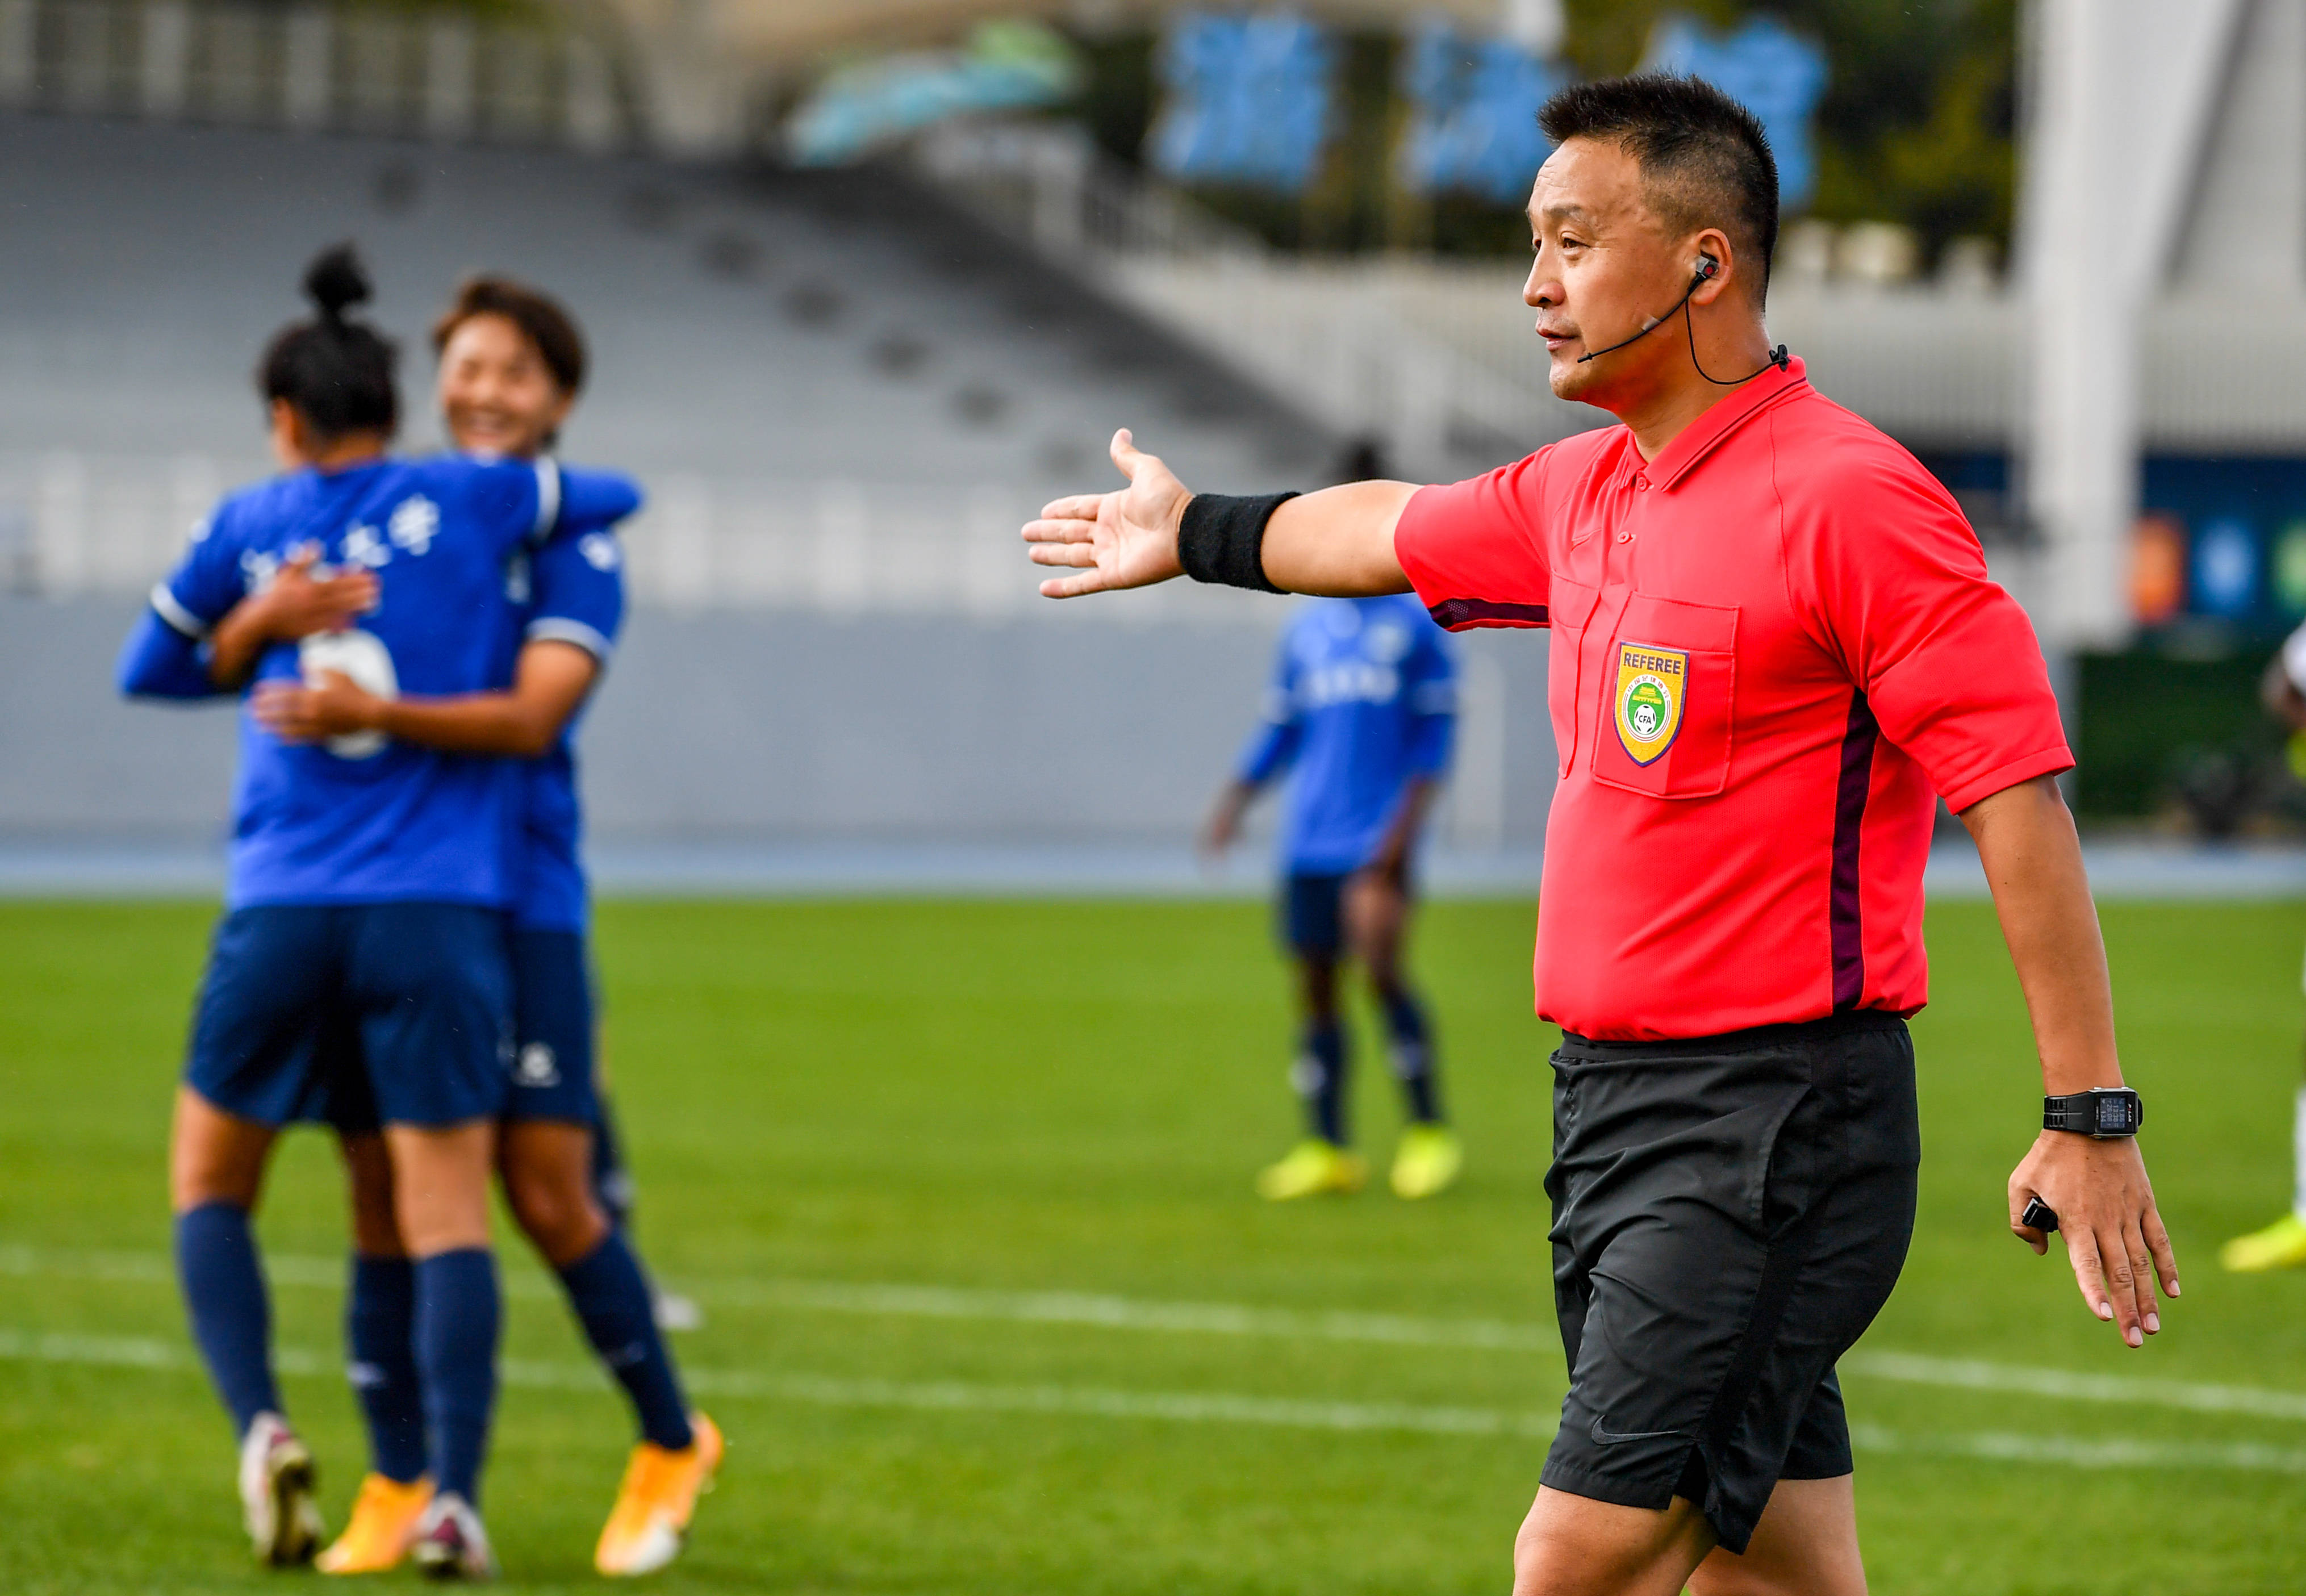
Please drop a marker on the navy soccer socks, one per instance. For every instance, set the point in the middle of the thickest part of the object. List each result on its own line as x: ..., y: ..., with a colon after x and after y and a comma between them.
x: 231, y: 1312
x: 1319, y: 1079
x: 455, y: 1347
x: 611, y: 1299
x: 1413, y: 1057
x: 612, y: 1186
x: 380, y: 1331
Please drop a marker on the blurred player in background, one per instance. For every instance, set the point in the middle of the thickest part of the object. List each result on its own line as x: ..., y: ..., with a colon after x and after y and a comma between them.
x: 1361, y: 711
x: 2282, y: 1245
x: 512, y: 365
x: 366, y: 888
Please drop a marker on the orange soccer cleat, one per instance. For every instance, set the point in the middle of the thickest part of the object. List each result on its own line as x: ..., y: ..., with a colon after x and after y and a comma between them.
x: 650, y: 1522
x: 383, y: 1524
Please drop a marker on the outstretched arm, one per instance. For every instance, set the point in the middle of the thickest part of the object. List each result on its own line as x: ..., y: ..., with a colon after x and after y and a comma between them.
x: 1337, y: 541
x: 550, y: 681
x: 2114, y: 1238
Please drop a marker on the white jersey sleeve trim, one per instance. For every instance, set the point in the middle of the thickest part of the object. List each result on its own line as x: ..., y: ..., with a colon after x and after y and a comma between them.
x: 548, y: 498
x: 2293, y: 659
x: 179, y: 618
x: 561, y: 628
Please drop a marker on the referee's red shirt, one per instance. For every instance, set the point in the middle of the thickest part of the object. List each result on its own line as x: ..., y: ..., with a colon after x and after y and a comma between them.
x: 1773, y: 647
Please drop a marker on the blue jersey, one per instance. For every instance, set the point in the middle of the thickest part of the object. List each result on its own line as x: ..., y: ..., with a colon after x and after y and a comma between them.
x: 1363, y: 700
x: 365, y: 819
x: 575, y: 595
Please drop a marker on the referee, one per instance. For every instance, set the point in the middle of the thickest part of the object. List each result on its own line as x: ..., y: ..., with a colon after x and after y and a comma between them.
x: 1774, y: 645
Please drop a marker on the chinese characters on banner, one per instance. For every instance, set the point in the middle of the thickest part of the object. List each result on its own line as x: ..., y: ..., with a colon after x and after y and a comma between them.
x: 1252, y: 99
x: 1775, y: 73
x: 1474, y: 105
x: 1248, y: 99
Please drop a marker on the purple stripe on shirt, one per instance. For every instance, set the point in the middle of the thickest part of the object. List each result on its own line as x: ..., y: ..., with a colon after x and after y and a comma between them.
x: 1457, y: 615
x: 1844, y: 913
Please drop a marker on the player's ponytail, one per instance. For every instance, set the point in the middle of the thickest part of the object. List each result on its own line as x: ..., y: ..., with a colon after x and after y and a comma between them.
x: 335, y: 370
x: 336, y: 281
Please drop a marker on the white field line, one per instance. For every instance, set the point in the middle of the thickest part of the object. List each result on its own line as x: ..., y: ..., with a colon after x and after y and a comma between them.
x: 1228, y: 1319
x: 1212, y: 1407
x: 2069, y: 1385
x: 1196, y: 1407
x: 917, y: 1301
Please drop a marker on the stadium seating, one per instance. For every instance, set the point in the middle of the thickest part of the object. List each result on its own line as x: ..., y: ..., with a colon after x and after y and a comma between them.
x: 793, y: 362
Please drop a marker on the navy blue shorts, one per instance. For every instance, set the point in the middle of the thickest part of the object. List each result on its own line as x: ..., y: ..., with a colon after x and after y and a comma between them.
x: 360, y: 1014
x: 552, y: 1030
x: 1312, y: 914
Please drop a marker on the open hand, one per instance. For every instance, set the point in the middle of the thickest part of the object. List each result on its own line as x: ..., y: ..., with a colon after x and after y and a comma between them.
x: 1127, y: 538
x: 297, y: 603
x: 2114, y: 1238
x: 297, y: 712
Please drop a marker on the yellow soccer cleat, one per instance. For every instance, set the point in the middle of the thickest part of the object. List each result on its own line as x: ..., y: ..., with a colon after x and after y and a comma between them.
x: 383, y: 1524
x: 2281, y: 1245
x: 1428, y: 1161
x: 650, y: 1522
x: 1312, y: 1168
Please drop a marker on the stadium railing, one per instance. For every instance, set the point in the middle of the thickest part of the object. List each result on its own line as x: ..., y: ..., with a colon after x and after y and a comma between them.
x: 553, y: 76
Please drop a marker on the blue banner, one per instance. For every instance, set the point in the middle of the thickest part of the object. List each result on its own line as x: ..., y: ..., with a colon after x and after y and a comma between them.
x: 1474, y: 105
x: 1247, y: 99
x: 1773, y: 71
x: 856, y: 110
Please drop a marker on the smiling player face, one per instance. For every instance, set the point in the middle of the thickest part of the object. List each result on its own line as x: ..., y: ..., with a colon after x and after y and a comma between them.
x: 496, y: 394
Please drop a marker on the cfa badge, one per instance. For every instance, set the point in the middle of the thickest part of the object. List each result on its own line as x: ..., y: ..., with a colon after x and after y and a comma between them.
x: 1651, y: 685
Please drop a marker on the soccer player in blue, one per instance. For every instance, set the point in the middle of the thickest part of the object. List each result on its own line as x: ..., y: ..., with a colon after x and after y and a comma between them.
x: 1361, y: 711
x: 367, y: 884
x: 512, y: 363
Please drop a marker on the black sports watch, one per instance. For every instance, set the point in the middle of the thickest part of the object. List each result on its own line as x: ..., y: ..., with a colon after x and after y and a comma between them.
x: 2100, y: 1114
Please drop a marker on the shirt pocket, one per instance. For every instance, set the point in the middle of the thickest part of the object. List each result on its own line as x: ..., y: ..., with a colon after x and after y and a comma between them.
x: 1669, y: 688
x: 1571, y: 606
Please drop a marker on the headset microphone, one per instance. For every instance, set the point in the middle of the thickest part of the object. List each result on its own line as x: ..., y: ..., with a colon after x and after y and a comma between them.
x: 1707, y: 269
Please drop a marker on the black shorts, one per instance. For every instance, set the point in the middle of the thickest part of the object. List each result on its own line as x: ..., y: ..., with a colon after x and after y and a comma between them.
x: 1729, y: 1212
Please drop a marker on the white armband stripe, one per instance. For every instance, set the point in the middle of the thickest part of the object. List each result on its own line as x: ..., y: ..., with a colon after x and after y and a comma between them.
x: 178, y: 618
x: 548, y: 498
x: 561, y: 628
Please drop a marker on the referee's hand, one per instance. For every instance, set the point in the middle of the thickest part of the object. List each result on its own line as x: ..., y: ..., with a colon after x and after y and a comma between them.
x: 2105, y: 1211
x: 1127, y: 538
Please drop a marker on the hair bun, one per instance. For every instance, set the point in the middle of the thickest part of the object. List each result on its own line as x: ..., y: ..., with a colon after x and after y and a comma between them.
x: 337, y: 281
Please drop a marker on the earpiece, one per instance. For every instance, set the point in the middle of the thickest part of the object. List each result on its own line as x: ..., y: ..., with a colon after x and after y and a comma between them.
x: 1709, y: 266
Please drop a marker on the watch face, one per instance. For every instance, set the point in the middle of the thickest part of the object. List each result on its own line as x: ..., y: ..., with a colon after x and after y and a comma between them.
x: 2113, y: 1115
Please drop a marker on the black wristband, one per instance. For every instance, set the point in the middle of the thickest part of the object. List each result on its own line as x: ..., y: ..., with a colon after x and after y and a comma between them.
x: 1222, y: 539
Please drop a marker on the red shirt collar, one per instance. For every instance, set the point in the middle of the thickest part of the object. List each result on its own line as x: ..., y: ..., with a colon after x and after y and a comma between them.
x: 1699, y: 438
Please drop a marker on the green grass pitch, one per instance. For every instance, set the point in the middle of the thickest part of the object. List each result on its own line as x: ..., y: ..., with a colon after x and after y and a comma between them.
x: 984, y: 1104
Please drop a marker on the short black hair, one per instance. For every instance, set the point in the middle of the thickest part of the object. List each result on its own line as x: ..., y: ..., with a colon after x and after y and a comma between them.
x: 1705, y: 160
x: 542, y: 319
x: 338, y: 372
